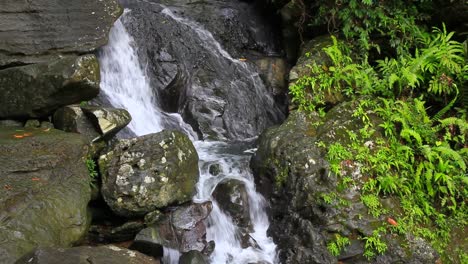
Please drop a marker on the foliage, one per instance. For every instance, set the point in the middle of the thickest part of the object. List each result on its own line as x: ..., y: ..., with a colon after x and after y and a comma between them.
x: 373, y: 244
x: 336, y: 246
x: 416, y: 153
x: 92, y: 170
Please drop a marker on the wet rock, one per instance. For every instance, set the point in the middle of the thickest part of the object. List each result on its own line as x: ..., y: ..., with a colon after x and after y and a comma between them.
x: 44, y: 30
x: 113, y: 234
x: 224, y: 97
x: 32, y: 123
x: 182, y: 229
x: 215, y: 169
x: 45, y: 189
x: 10, y: 123
x: 37, y: 90
x: 153, y: 217
x: 192, y: 257
x: 71, y: 118
x: 82, y: 255
x: 108, y: 121
x: 233, y: 199
x: 140, y: 175
x: 292, y: 172
x: 46, y: 124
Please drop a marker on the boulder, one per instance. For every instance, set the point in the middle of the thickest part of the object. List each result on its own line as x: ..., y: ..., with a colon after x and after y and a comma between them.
x: 43, y: 30
x: 225, y: 96
x: 292, y: 172
x: 142, y: 174
x: 93, y: 122
x: 182, y: 229
x: 233, y: 199
x: 37, y: 90
x: 192, y: 257
x: 45, y: 189
x: 84, y: 255
x: 114, y: 233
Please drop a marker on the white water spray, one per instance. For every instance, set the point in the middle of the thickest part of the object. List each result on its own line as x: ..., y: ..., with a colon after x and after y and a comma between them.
x: 125, y: 84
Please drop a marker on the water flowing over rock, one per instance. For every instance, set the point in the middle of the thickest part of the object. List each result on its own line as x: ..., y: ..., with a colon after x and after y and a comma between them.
x: 94, y: 255
x: 45, y: 189
x: 39, y: 89
x: 219, y: 95
x: 44, y: 30
x: 142, y: 174
x: 292, y: 171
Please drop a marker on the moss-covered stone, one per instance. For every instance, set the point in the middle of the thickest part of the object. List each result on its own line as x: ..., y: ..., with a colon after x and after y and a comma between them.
x: 44, y: 190
x: 143, y: 174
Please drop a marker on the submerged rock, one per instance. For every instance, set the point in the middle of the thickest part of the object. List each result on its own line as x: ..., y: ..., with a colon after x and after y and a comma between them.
x: 37, y: 90
x: 140, y: 175
x: 45, y: 189
x: 43, y: 30
x: 292, y: 172
x: 182, y: 229
x: 81, y: 255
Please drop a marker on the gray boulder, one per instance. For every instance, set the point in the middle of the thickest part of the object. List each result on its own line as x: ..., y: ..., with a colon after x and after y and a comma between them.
x: 37, y: 90
x: 182, y: 229
x: 45, y: 190
x: 43, y: 30
x: 140, y: 175
x: 85, y: 255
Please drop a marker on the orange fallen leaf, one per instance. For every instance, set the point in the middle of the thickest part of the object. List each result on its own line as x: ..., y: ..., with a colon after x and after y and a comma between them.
x: 46, y: 130
x: 28, y: 134
x: 242, y: 59
x: 392, y: 221
x: 7, y: 187
x: 35, y: 179
x: 18, y: 136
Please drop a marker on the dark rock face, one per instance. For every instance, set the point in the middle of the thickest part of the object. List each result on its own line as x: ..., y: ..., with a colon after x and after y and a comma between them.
x: 182, y: 229
x: 42, y: 30
x: 292, y: 172
x: 45, y: 189
x: 82, y: 255
x: 218, y: 94
x: 192, y: 257
x: 233, y: 199
x: 140, y: 175
x: 39, y: 89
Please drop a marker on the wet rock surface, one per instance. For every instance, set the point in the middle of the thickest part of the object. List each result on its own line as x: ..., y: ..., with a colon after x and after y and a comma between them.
x: 84, y: 255
x: 45, y: 189
x: 182, y: 229
x: 292, y: 172
x: 223, y: 96
x: 37, y: 90
x: 140, y: 175
x: 43, y: 30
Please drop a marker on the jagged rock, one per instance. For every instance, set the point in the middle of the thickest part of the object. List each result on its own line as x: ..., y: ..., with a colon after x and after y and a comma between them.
x: 224, y: 97
x: 192, y: 257
x: 233, y: 199
x: 37, y: 90
x: 81, y: 255
x: 43, y: 30
x: 293, y: 173
x: 182, y: 229
x: 45, y: 189
x: 108, y: 121
x: 93, y: 122
x: 140, y: 175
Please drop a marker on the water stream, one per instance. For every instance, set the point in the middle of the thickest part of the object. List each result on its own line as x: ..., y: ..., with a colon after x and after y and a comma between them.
x: 124, y: 84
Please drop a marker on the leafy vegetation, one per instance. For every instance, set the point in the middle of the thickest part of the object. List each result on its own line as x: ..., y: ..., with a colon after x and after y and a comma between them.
x: 92, y: 170
x: 339, y: 244
x: 418, y: 151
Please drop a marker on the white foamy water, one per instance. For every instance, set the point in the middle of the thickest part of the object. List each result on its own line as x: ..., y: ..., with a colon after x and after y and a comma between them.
x: 125, y: 85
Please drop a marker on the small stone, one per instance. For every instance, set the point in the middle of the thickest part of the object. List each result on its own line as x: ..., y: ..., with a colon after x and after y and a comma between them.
x: 32, y: 123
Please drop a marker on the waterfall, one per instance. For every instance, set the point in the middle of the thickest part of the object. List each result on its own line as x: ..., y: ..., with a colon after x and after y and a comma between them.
x: 125, y: 84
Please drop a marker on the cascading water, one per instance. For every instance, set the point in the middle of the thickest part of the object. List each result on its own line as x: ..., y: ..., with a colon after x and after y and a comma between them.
x: 124, y: 84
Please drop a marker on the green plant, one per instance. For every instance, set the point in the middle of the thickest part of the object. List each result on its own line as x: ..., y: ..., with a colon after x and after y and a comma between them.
x: 92, y: 170
x: 374, y: 245
x: 336, y: 246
